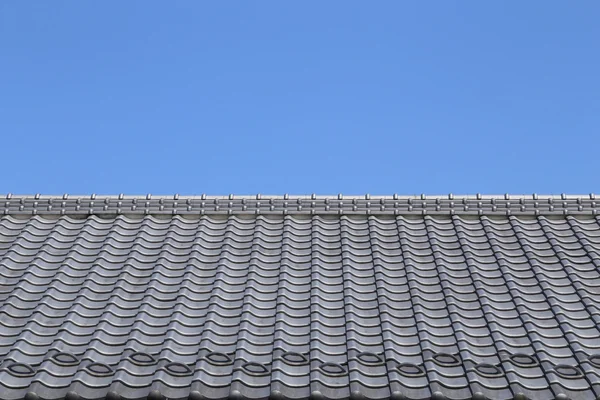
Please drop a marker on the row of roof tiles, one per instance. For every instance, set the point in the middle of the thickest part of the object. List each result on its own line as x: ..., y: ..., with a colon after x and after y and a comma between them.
x: 381, y: 205
x: 59, y: 370
x: 451, y: 196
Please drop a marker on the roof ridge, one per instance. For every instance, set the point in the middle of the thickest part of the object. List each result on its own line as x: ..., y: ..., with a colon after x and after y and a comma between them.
x: 259, y: 196
x: 450, y: 204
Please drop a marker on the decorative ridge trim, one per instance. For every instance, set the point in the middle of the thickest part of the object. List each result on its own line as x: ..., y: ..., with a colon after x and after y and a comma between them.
x: 310, y: 205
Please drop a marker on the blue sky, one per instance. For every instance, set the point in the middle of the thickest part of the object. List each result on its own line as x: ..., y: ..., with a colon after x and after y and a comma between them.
x: 280, y: 97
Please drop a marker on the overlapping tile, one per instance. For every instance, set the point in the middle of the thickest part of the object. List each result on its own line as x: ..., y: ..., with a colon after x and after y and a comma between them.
x: 299, y: 305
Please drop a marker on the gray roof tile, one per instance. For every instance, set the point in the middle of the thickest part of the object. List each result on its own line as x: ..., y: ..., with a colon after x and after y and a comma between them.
x: 215, y: 298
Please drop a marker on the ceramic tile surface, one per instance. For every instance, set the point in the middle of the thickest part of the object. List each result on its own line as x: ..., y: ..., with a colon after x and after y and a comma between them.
x: 294, y: 306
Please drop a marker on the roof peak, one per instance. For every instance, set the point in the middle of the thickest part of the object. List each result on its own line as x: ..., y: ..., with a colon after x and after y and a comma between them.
x: 259, y: 196
x: 478, y: 204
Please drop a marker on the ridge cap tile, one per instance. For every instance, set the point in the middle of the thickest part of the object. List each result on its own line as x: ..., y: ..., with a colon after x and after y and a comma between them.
x: 311, y: 205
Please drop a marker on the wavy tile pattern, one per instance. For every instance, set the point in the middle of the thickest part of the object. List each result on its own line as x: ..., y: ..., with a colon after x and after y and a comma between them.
x: 299, y: 306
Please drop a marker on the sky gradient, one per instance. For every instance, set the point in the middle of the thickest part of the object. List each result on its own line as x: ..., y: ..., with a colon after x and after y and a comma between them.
x: 277, y: 97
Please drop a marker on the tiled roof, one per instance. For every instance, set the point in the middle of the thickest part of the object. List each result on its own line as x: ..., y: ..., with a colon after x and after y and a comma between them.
x: 297, y: 297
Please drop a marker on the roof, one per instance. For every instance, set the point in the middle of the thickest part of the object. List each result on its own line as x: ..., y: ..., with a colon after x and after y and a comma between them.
x: 291, y: 297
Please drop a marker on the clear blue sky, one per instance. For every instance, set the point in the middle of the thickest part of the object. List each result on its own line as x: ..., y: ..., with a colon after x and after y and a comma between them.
x: 378, y: 97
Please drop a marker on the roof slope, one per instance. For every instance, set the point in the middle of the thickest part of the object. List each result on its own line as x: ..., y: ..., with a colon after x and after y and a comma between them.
x: 368, y: 303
